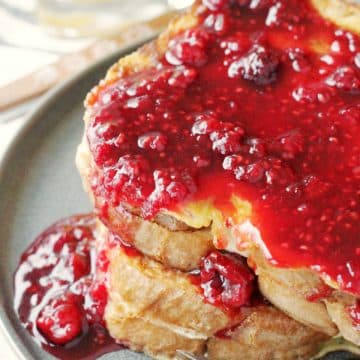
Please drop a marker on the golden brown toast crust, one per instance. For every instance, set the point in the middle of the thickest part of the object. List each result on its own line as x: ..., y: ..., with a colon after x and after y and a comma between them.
x: 181, y: 250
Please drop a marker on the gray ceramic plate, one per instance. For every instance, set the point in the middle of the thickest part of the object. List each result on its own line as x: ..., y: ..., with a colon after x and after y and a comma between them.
x: 39, y: 184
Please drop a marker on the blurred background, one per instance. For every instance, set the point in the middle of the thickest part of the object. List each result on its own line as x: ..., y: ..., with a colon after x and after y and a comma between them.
x: 44, y: 42
x: 74, y: 33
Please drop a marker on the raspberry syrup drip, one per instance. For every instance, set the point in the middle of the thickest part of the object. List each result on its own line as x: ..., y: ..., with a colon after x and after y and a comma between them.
x: 261, y: 99
x: 354, y: 312
x: 322, y: 292
x: 59, y: 298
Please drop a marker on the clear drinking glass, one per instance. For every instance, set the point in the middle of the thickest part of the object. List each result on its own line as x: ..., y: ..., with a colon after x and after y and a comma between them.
x: 98, y: 17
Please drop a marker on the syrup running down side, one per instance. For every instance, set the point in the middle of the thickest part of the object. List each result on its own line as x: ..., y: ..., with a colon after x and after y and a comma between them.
x: 262, y: 100
x: 58, y: 296
x: 61, y: 293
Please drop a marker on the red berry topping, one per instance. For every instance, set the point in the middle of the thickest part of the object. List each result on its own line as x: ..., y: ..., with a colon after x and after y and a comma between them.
x: 227, y: 141
x: 357, y: 60
x: 106, y: 154
x: 226, y: 280
x: 259, y: 65
x: 258, y: 100
x: 154, y: 141
x: 60, y: 298
x: 170, y: 188
x: 345, y: 43
x: 182, y: 77
x: 62, y: 320
x: 189, y: 48
x: 351, y: 115
x: 79, y: 264
x: 241, y: 2
x: 345, y: 78
x: 205, y: 124
x: 260, y: 4
x: 238, y: 44
x: 218, y: 23
x: 128, y: 175
x: 231, y: 162
x: 289, y: 145
x: 354, y: 312
x: 95, y: 300
x: 314, y: 187
x: 281, y: 14
x: 312, y: 93
x: 270, y: 170
x: 299, y: 61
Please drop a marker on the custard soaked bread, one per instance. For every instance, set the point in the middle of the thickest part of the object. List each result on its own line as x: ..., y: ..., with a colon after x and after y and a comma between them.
x: 158, y: 310
x: 178, y: 249
x: 238, y: 129
x: 264, y: 333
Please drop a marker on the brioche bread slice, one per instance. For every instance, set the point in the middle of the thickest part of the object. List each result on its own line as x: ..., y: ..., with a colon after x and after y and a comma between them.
x: 158, y: 310
x: 166, y: 297
x: 181, y: 249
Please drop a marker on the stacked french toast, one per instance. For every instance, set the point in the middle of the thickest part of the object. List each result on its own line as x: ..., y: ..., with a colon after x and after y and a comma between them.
x: 223, y: 163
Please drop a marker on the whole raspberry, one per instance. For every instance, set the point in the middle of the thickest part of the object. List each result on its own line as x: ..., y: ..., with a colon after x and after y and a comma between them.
x: 226, y: 280
x: 259, y: 65
x: 62, y: 320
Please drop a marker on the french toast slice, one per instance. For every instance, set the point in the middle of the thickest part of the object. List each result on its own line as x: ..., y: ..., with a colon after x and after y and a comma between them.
x: 266, y: 334
x: 201, y: 215
x: 142, y: 335
x: 166, y: 297
x: 159, y: 310
x: 181, y: 250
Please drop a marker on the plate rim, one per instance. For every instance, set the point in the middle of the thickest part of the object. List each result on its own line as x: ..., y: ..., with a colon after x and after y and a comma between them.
x: 12, y: 337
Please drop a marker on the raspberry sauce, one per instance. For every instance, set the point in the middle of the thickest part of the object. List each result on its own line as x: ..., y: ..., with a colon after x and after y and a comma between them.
x: 225, y: 281
x: 59, y: 298
x: 261, y: 99
x: 354, y: 312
